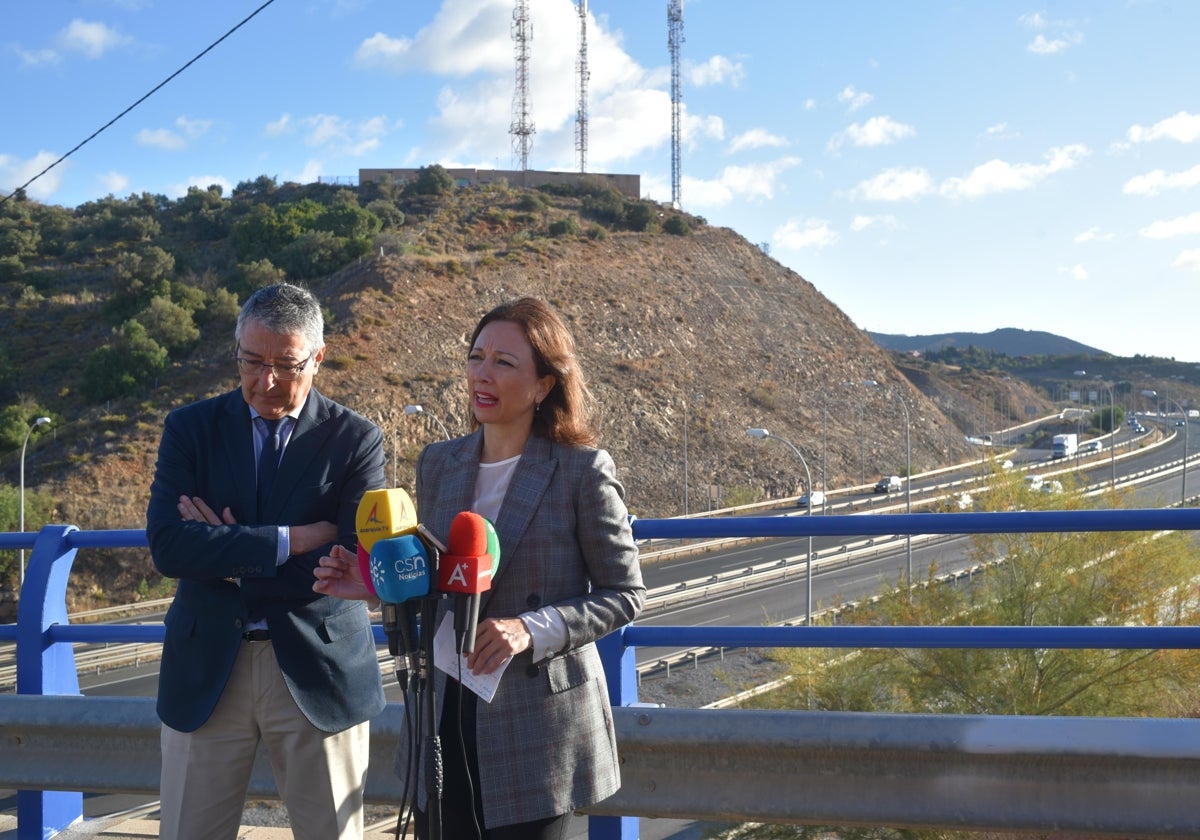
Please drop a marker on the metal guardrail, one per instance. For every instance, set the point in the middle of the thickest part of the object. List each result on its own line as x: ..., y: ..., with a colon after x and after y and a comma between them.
x: 743, y: 764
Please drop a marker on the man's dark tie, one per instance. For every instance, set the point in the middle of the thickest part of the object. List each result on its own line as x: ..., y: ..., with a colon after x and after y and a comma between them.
x: 268, y: 460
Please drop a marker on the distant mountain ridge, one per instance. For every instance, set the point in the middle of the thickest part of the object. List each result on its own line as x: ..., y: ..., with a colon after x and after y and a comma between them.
x: 1009, y: 341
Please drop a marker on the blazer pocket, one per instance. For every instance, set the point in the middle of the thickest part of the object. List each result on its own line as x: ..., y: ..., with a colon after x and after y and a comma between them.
x: 567, y: 672
x: 344, y: 624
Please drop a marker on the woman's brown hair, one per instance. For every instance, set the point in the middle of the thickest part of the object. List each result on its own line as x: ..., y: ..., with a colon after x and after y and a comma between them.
x: 564, y: 415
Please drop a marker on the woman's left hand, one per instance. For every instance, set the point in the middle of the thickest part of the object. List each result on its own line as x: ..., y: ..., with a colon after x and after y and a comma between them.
x: 497, y: 640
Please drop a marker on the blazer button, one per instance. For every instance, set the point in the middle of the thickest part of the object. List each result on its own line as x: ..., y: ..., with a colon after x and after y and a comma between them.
x: 533, y: 601
x: 531, y: 671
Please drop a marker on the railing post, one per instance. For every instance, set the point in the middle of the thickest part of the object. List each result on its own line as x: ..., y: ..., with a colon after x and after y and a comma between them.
x: 620, y: 669
x: 46, y: 669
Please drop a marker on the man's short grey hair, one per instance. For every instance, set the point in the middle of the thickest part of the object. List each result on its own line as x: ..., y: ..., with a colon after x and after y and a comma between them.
x: 285, y: 309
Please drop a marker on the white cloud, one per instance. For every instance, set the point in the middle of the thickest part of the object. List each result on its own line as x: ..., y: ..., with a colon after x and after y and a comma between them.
x: 877, y: 131
x: 280, y: 127
x: 998, y: 176
x: 755, y: 138
x: 1183, y: 127
x: 1092, y: 234
x: 754, y: 182
x: 1188, y: 259
x: 861, y: 223
x: 35, y: 58
x: 718, y: 70
x: 1183, y: 226
x: 165, y: 138
x: 90, y: 39
x: 855, y: 99
x: 341, y: 136
x: 160, y: 138
x: 1076, y: 272
x: 465, y: 37
x: 801, y: 234
x: 896, y: 185
x: 114, y: 183
x: 469, y: 44
x: 810, y: 104
x: 1152, y: 183
x: 1041, y: 45
x: 15, y: 172
x: 1068, y: 37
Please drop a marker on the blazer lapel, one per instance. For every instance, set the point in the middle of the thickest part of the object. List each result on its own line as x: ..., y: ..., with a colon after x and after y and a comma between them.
x: 529, y: 484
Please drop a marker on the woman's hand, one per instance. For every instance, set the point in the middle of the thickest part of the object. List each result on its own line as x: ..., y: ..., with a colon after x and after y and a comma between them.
x: 497, y: 640
x: 338, y: 575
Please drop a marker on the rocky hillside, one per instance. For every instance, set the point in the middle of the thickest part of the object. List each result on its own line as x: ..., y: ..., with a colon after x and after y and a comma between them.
x: 692, y: 337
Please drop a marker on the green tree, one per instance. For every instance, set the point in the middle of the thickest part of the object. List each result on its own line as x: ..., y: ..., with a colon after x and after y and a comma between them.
x: 120, y: 368
x: 433, y: 180
x: 170, y: 325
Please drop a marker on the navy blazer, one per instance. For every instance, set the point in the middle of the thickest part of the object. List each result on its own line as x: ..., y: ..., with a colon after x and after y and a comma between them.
x: 546, y: 741
x: 324, y: 645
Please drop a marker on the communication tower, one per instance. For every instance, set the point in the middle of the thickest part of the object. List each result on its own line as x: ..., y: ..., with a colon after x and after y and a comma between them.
x: 674, y: 41
x: 522, y: 128
x: 581, y: 68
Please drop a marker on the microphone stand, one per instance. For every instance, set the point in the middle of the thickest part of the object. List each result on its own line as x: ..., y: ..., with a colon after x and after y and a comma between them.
x: 432, y: 750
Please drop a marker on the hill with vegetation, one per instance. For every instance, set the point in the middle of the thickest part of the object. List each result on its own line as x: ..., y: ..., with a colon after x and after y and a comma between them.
x: 119, y: 310
x: 1008, y: 341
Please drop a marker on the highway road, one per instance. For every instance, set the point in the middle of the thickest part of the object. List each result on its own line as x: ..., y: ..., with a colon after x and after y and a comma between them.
x: 837, y: 582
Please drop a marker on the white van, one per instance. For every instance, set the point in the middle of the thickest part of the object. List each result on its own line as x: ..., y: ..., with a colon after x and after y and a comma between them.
x: 889, y: 484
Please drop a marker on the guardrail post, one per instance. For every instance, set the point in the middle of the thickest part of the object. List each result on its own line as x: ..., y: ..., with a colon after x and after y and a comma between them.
x: 46, y: 669
x: 620, y: 670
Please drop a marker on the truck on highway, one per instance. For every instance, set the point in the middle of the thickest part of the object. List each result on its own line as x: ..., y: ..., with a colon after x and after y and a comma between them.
x: 1064, y: 446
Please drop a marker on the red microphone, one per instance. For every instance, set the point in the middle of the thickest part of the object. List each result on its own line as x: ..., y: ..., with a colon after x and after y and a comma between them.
x: 465, y: 569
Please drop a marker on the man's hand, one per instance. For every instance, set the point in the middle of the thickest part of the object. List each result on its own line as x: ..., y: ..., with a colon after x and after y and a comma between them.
x: 305, y: 538
x: 195, y: 509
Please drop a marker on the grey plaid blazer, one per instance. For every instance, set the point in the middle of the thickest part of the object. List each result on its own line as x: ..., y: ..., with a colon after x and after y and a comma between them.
x: 546, y: 741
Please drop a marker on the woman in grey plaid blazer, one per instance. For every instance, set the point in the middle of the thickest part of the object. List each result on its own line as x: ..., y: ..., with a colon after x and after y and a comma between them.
x: 544, y: 746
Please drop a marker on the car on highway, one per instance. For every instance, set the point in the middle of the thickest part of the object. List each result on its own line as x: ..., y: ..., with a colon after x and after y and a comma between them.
x: 1052, y: 486
x: 889, y: 484
x: 1033, y: 482
x: 814, y: 499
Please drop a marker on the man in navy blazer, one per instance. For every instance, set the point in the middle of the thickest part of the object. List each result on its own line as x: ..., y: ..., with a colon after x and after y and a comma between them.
x: 250, y: 488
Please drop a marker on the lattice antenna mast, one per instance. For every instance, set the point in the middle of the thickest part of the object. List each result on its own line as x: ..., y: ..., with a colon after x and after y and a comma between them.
x: 581, y: 68
x: 522, y: 128
x: 674, y: 42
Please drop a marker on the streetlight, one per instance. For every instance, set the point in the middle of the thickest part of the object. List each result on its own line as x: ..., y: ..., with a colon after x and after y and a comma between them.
x: 763, y: 434
x: 416, y: 409
x: 41, y: 421
x: 1183, y: 414
x: 871, y: 383
x: 686, y: 408
x: 1112, y: 428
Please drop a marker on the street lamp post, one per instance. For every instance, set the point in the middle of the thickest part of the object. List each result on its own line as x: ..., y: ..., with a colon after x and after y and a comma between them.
x: 41, y: 421
x: 1183, y: 472
x: 763, y: 434
x: 908, y: 578
x: 686, y: 409
x: 1112, y: 428
x: 416, y: 409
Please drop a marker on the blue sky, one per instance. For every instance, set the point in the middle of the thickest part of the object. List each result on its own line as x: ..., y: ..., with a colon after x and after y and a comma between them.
x: 928, y: 166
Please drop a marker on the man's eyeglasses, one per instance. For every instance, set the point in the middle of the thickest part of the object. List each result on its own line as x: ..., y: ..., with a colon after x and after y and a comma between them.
x: 283, y: 373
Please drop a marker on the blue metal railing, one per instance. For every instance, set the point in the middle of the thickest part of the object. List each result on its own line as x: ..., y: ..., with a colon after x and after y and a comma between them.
x: 46, y: 664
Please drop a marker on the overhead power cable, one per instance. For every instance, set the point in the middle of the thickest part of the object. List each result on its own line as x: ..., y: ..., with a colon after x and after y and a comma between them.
x: 154, y: 90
